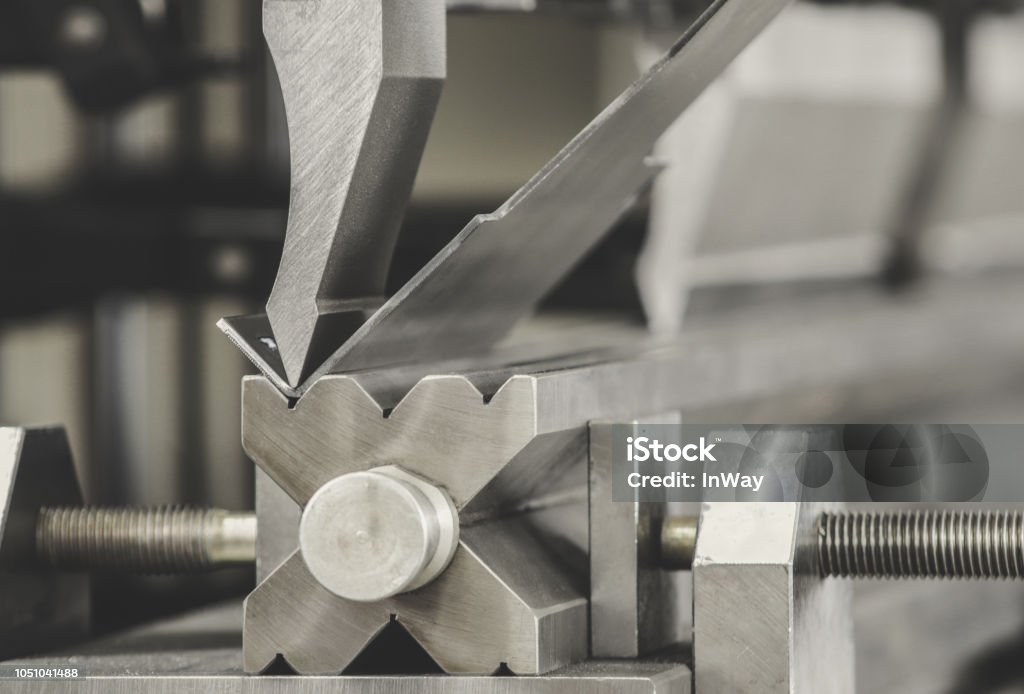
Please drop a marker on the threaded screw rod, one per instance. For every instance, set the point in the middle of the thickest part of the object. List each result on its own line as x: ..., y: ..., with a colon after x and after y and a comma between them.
x: 922, y: 544
x: 160, y: 540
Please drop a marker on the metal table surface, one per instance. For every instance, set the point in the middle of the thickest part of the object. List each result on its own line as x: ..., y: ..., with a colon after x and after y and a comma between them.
x: 200, y: 652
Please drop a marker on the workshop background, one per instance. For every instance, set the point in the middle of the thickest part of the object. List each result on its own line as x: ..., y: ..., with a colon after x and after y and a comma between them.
x: 143, y: 194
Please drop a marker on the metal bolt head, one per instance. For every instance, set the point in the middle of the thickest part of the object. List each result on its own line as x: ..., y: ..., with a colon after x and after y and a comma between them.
x: 678, y: 542
x: 367, y: 536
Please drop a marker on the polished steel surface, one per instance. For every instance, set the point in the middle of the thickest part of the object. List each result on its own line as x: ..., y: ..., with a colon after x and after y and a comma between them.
x: 339, y: 428
x: 277, y: 525
x: 371, y: 535
x: 635, y: 607
x: 200, y: 652
x: 38, y: 609
x: 495, y: 271
x: 443, y: 431
x: 501, y: 600
x: 361, y: 81
x: 764, y: 620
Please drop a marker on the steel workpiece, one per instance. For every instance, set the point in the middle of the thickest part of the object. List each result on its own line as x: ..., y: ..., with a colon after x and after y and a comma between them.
x: 500, y: 265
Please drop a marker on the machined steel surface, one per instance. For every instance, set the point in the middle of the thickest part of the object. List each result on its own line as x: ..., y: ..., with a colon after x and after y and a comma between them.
x: 38, y: 608
x: 764, y: 620
x: 635, y: 607
x: 200, y: 652
x: 461, y: 444
x: 496, y: 269
x: 504, y: 438
x: 371, y: 535
x: 501, y: 600
x: 360, y: 81
x: 277, y: 525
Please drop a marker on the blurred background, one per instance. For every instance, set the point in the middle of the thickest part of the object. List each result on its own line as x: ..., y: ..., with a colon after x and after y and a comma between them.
x: 144, y: 183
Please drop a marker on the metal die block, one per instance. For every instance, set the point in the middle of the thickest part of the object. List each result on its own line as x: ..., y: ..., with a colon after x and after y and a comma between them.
x: 635, y: 606
x: 764, y: 621
x: 503, y: 599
